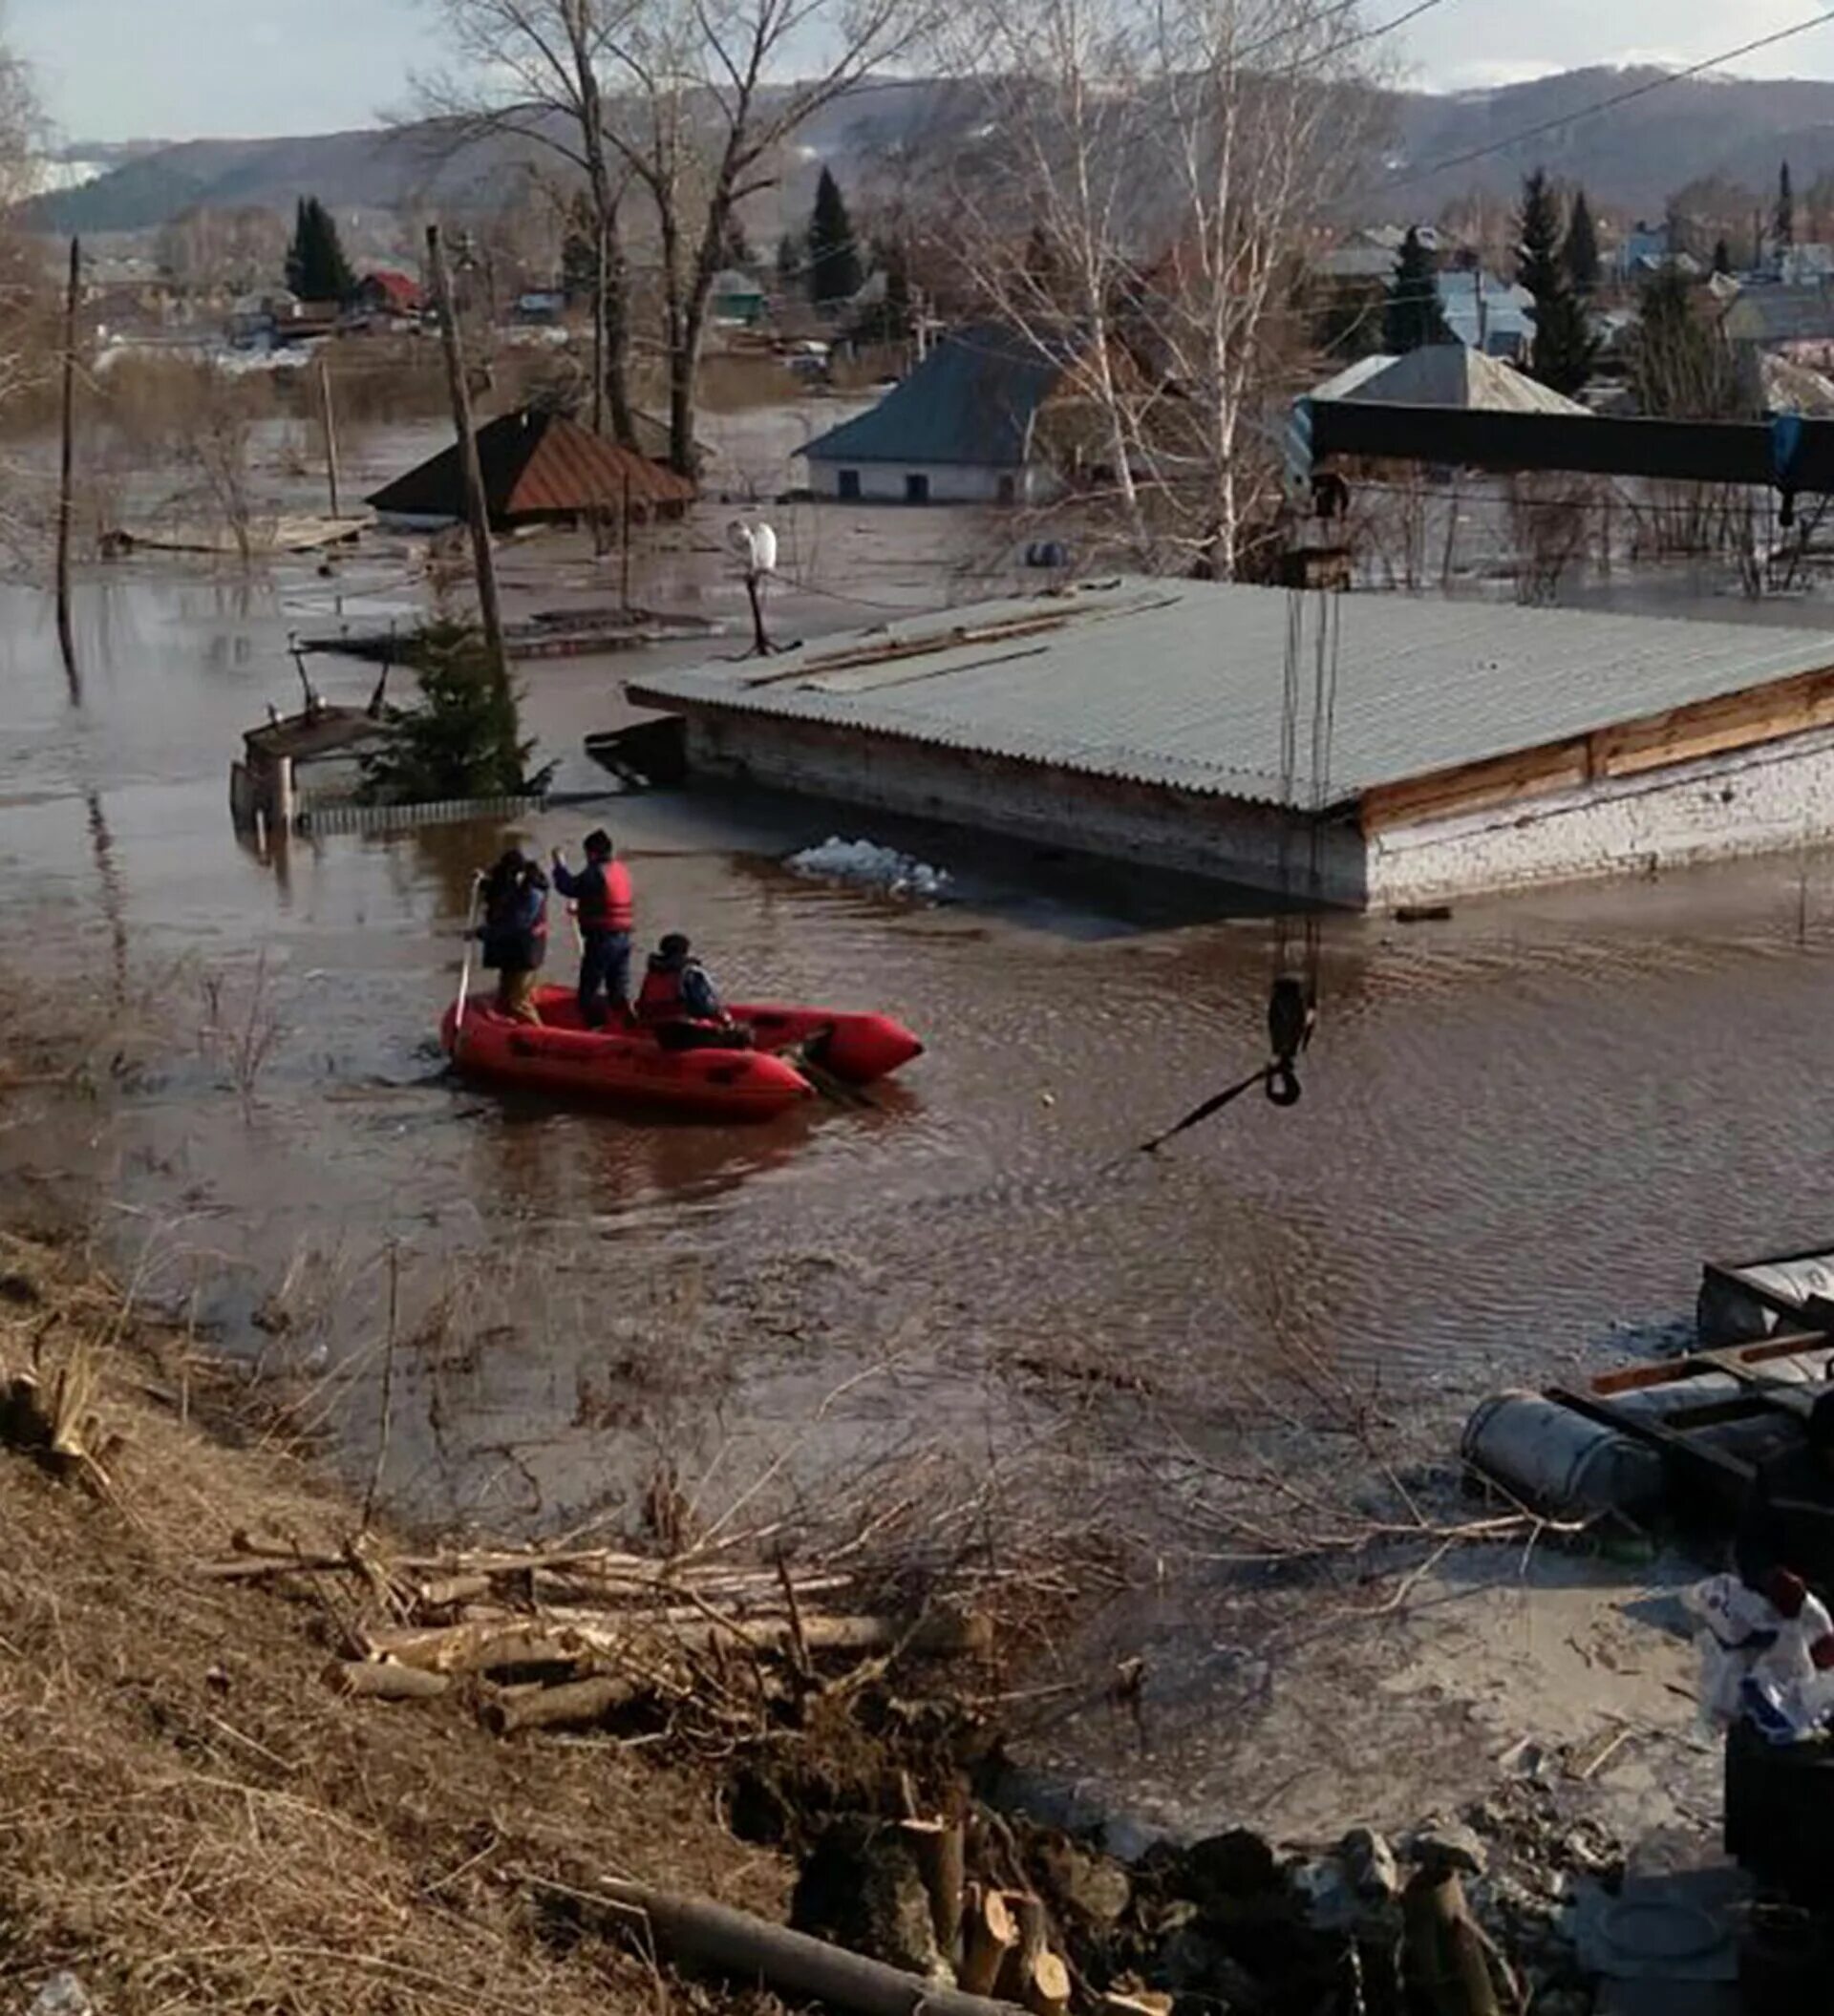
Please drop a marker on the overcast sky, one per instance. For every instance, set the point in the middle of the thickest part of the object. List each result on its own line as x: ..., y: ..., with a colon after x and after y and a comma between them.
x: 124, y: 68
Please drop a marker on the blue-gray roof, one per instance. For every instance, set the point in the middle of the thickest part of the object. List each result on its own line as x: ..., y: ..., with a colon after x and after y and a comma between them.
x: 1179, y: 682
x: 972, y: 401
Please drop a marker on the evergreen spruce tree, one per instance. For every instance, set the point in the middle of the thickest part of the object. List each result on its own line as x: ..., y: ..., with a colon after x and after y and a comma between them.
x: 1785, y: 210
x: 464, y: 739
x: 834, y: 261
x: 1563, y: 350
x: 1412, y: 316
x: 316, y: 268
x: 1722, y: 256
x: 1581, y: 249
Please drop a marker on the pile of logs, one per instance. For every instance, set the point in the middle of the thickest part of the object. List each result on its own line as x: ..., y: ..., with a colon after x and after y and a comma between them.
x: 562, y: 1639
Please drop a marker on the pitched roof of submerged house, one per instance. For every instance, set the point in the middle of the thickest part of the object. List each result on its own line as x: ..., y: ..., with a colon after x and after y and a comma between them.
x: 535, y: 465
x: 972, y: 400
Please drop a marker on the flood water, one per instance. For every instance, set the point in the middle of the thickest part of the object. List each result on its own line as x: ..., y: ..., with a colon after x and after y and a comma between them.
x: 1522, y: 1129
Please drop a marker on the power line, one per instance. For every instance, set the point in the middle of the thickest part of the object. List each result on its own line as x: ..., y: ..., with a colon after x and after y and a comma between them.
x: 1611, y: 102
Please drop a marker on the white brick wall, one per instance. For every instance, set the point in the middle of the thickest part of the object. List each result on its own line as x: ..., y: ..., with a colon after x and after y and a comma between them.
x: 1750, y: 801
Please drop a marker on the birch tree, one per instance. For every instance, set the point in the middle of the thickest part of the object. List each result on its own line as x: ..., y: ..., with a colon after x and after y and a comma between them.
x: 536, y: 71
x: 1173, y: 157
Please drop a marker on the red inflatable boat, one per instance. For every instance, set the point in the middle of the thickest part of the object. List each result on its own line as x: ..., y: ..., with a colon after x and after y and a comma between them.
x: 626, y: 1063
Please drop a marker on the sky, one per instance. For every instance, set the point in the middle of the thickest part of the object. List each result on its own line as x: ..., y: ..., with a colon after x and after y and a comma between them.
x: 116, y: 69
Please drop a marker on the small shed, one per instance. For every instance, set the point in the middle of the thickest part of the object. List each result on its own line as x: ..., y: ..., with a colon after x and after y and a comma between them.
x: 738, y: 298
x: 959, y: 430
x: 386, y: 295
x: 292, y: 762
x: 538, y: 468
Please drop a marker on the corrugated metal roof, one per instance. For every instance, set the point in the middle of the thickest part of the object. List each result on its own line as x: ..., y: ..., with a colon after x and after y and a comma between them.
x: 535, y: 465
x: 972, y: 401
x: 1180, y: 682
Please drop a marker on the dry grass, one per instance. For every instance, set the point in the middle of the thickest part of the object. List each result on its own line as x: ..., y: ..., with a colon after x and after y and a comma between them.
x: 190, y: 1820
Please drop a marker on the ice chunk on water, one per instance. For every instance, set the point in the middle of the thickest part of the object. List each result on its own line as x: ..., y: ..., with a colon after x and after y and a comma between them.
x: 876, y: 867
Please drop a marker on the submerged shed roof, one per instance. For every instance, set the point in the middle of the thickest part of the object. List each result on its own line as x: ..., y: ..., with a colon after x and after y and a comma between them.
x: 535, y: 465
x: 972, y: 401
x: 1179, y: 683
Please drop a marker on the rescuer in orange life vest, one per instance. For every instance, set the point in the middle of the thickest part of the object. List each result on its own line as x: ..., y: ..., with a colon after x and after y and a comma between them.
x: 678, y: 1002
x: 605, y: 905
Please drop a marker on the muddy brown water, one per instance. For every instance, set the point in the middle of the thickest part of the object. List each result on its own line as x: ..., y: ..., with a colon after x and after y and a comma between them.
x: 1522, y: 1129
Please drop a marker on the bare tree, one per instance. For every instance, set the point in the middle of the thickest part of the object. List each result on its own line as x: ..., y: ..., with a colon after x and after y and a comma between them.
x: 535, y: 71
x: 699, y: 122
x: 1141, y: 205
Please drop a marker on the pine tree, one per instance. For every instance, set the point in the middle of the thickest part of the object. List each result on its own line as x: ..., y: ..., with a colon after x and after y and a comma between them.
x: 1785, y: 209
x: 789, y: 260
x: 1722, y: 256
x: 1581, y: 249
x: 834, y: 263
x: 316, y: 268
x: 464, y: 739
x: 1412, y: 316
x: 1563, y: 350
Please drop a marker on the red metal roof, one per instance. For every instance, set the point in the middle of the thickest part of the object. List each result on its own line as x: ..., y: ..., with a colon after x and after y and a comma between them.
x: 537, y: 465
x: 395, y: 289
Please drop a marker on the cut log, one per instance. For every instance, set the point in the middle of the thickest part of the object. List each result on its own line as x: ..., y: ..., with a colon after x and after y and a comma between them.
x: 576, y: 1705
x: 987, y: 1936
x: 443, y: 1591
x: 938, y: 1847
x: 1134, y: 2001
x: 378, y: 1680
x: 1030, y: 1918
x: 481, y: 1648
x: 1047, y: 1988
x: 1447, y: 1966
x: 704, y: 1935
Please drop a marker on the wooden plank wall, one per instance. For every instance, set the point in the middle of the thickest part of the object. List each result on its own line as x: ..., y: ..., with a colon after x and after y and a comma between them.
x: 1682, y: 734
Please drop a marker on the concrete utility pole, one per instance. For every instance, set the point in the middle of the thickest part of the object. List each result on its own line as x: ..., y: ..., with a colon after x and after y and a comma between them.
x: 477, y: 505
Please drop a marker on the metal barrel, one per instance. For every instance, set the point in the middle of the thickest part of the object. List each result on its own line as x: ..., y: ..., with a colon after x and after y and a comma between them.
x: 1557, y: 1461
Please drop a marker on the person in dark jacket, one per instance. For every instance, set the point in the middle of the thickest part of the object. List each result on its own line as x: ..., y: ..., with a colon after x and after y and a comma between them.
x: 681, y: 1004
x: 1788, y: 1522
x: 606, y: 905
x: 515, y: 931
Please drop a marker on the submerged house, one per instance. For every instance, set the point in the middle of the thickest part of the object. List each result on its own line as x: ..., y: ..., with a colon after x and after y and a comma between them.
x: 1447, y: 375
x: 960, y: 430
x: 1475, y: 746
x: 538, y: 468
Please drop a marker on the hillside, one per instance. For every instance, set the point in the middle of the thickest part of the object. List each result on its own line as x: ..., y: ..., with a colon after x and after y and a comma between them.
x: 1629, y: 158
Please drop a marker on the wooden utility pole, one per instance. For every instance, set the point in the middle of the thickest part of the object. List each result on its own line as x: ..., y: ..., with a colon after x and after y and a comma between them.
x: 329, y: 416
x: 67, y: 467
x: 477, y: 505
x: 625, y: 532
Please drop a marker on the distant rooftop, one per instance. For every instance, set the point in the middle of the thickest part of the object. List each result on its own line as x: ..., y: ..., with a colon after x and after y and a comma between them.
x: 971, y: 401
x: 1179, y: 683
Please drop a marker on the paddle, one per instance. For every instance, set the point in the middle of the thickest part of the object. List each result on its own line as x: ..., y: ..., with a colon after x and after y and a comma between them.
x: 825, y: 1081
x: 464, y: 970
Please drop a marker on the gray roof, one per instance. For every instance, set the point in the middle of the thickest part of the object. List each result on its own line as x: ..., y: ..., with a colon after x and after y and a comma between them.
x: 972, y: 401
x: 1179, y: 682
x: 1781, y: 314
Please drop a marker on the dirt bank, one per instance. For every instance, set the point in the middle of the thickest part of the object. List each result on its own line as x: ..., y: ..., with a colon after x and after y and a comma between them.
x: 192, y: 1818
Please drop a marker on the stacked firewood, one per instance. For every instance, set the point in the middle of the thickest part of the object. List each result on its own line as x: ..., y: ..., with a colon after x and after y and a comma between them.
x: 562, y: 1639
